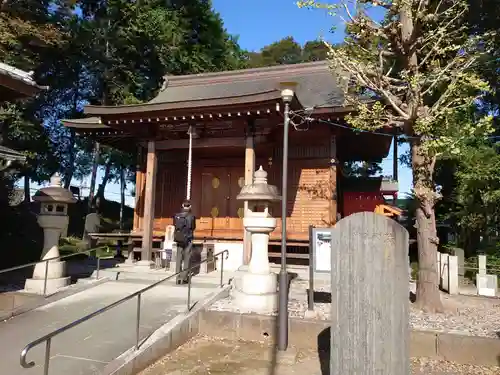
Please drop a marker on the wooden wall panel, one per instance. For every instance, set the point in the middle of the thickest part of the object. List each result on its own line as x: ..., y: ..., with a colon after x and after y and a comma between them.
x: 311, y: 184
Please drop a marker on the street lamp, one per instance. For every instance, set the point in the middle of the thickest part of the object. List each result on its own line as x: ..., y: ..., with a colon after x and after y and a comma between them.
x: 287, y: 94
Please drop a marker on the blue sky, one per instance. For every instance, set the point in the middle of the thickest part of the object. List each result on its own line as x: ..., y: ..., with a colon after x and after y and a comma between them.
x: 261, y: 22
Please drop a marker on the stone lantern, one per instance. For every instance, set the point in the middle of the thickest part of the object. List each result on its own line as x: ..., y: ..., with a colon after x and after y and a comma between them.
x: 49, y: 276
x: 256, y: 291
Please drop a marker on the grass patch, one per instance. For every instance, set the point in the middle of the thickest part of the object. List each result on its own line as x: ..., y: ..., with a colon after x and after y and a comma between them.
x: 72, y: 245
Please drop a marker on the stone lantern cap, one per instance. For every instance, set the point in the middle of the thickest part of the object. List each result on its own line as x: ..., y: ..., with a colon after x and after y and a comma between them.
x: 260, y: 190
x: 54, y: 192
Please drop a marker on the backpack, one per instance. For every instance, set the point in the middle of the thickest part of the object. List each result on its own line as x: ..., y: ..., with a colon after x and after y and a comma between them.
x: 181, y: 226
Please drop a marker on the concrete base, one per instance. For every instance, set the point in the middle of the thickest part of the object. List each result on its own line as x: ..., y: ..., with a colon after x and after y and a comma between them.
x: 53, y: 285
x: 55, y: 269
x: 256, y: 293
x: 487, y: 285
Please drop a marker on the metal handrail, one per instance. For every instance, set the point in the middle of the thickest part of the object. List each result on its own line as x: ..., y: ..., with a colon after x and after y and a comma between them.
x: 48, y: 337
x: 46, y: 261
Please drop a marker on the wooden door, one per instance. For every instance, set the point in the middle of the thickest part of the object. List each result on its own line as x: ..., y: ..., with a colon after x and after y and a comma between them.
x: 237, y: 181
x: 215, y: 198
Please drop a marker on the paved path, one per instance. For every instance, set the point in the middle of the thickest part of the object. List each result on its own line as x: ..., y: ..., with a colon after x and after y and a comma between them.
x: 87, y: 348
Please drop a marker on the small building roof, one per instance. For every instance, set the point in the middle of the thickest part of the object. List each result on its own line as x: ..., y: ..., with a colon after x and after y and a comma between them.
x: 89, y: 123
x: 16, y: 83
x: 316, y: 87
x: 8, y: 156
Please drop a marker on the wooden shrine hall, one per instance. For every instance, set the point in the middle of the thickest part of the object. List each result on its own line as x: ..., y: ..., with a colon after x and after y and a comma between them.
x: 234, y: 122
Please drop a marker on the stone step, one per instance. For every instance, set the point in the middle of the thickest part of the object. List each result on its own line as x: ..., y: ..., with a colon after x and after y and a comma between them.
x: 119, y: 273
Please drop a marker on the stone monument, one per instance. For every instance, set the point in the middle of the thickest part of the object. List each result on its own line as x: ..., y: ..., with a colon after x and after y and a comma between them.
x: 49, y: 276
x: 370, y: 302
x: 256, y: 290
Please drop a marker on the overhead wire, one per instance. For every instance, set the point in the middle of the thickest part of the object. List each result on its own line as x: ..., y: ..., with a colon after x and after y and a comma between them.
x: 308, y: 120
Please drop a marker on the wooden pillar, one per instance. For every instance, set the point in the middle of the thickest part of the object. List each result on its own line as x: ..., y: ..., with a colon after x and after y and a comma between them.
x: 149, y: 204
x: 333, y: 180
x: 249, y: 171
x: 138, y: 191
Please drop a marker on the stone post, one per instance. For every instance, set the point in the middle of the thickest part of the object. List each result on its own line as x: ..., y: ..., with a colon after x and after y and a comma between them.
x: 370, y: 333
x: 453, y: 274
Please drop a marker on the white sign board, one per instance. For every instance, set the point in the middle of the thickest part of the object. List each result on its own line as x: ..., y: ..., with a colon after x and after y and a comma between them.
x: 322, y: 249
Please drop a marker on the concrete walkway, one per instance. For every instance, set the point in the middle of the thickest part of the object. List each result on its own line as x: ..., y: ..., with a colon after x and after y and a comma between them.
x: 87, y: 348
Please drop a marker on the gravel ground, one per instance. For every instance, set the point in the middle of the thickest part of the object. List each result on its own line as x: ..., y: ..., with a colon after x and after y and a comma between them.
x: 468, y: 315
x: 211, y: 356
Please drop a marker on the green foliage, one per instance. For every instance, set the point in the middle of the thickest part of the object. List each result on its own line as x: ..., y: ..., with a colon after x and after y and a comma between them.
x: 473, y: 207
x: 417, y: 73
x: 363, y: 170
x: 287, y: 51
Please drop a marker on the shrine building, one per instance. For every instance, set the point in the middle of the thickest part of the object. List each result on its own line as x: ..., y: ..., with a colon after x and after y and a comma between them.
x: 235, y: 121
x: 15, y: 84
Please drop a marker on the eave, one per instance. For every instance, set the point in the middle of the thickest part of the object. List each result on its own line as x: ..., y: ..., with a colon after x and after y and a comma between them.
x: 11, y: 155
x: 17, y: 83
x: 186, y: 108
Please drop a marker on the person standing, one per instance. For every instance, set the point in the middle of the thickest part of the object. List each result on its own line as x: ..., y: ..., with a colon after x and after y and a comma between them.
x: 185, y: 225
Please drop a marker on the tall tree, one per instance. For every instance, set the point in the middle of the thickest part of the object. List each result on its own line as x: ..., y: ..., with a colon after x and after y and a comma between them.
x: 414, y: 72
x: 136, y: 43
x: 314, y: 50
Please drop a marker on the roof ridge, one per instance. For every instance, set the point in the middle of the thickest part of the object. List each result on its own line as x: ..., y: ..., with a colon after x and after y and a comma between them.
x: 262, y: 72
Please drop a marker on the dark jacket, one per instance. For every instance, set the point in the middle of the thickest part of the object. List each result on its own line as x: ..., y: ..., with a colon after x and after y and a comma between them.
x: 185, y: 225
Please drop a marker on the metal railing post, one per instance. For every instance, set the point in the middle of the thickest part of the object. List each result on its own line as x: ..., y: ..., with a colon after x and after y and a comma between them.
x: 189, y: 292
x: 222, y: 270
x: 45, y: 278
x: 137, y: 323
x: 47, y: 357
x: 98, y: 265
x: 48, y: 337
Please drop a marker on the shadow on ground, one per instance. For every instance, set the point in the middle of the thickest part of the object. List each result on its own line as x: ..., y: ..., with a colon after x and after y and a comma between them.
x: 324, y: 349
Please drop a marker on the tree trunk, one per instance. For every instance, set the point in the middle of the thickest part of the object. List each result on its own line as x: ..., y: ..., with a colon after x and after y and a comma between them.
x: 105, y: 180
x: 122, y: 196
x: 68, y: 173
x: 27, y: 190
x: 428, y: 296
x: 93, y: 176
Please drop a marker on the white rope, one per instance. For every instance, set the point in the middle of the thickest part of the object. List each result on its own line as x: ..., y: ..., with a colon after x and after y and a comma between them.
x: 190, y: 164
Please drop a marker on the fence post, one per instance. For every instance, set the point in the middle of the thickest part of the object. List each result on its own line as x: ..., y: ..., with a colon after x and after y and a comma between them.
x: 138, y: 322
x: 445, y: 272
x: 98, y: 265
x: 481, y: 260
x: 453, y: 274
x: 45, y: 278
x: 222, y: 269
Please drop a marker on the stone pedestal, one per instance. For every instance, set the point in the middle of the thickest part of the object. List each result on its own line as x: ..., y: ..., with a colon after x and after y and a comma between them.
x: 256, y: 289
x: 54, y: 269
